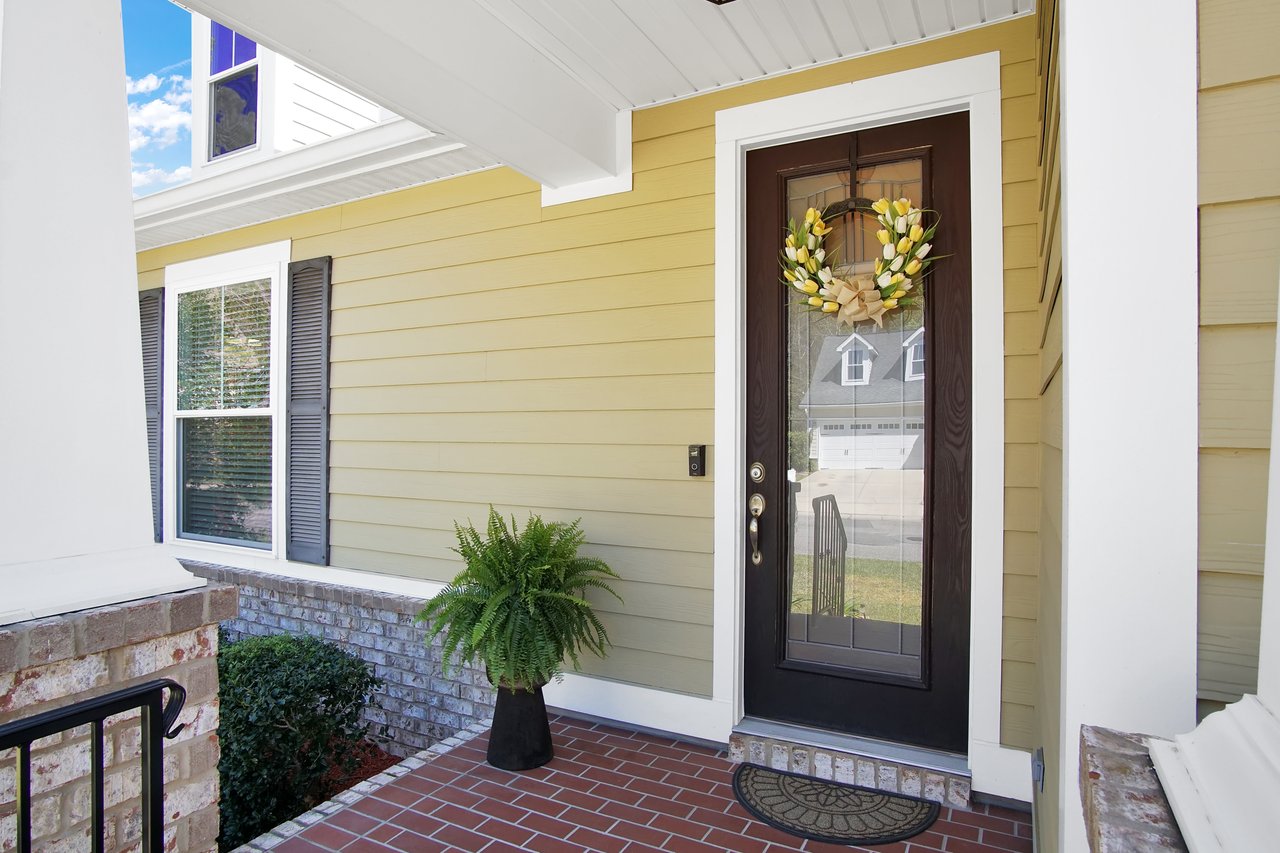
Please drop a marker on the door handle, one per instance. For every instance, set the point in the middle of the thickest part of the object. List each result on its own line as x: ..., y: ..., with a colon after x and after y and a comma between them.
x: 755, y: 506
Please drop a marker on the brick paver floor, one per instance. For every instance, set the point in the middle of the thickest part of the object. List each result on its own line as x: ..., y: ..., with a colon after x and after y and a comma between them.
x: 607, y: 789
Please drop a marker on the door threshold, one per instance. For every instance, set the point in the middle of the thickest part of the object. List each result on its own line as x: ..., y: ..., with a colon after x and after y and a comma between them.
x: 951, y: 763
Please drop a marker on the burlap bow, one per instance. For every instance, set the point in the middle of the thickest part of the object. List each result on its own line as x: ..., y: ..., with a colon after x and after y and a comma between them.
x: 858, y: 300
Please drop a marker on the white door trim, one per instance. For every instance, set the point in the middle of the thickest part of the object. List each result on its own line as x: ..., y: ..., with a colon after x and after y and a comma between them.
x: 971, y: 84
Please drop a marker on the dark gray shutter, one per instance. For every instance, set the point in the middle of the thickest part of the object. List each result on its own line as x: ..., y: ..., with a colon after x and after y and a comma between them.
x: 151, y: 313
x: 307, y: 413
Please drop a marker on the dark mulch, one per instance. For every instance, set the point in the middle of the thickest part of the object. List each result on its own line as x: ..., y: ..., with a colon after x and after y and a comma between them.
x: 371, y: 760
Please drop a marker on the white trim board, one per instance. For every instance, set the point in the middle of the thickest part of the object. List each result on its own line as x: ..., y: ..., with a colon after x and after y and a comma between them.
x: 971, y: 84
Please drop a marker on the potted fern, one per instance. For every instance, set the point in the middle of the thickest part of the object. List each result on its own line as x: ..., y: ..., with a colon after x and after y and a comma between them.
x: 518, y: 606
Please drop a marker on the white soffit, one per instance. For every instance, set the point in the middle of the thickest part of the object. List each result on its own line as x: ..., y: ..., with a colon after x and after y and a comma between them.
x: 379, y: 159
x: 637, y: 53
x: 538, y: 84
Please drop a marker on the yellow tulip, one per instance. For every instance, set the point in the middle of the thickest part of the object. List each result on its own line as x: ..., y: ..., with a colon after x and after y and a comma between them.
x: 879, y: 266
x: 789, y: 275
x: 830, y: 307
x: 916, y: 233
x: 815, y: 301
x: 811, y: 265
x: 890, y: 303
x: 791, y: 240
x: 898, y: 294
x: 818, y: 223
x: 913, y: 267
x: 904, y: 245
x: 883, y: 236
x: 810, y: 287
x: 898, y: 279
x: 902, y: 206
x: 881, y: 206
x: 810, y: 215
x: 802, y: 254
x: 821, y: 230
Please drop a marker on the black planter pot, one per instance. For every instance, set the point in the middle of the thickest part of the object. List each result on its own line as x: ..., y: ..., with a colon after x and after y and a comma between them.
x: 521, y: 735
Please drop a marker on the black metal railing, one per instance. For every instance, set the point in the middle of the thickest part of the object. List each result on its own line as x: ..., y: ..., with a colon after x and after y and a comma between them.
x: 158, y: 721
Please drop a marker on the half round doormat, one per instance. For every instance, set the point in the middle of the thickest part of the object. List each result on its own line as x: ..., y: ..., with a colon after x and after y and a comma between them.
x: 830, y: 811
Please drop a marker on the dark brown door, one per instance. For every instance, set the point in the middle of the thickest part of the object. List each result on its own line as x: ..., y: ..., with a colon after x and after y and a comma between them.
x: 858, y: 613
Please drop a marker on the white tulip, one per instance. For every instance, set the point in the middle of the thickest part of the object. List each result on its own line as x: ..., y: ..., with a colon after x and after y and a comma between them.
x: 913, y: 218
x: 900, y: 225
x: 897, y: 263
x: 889, y: 251
x: 822, y: 291
x: 813, y: 242
x: 791, y: 253
x: 883, y: 280
x: 821, y: 254
x: 801, y: 273
x: 825, y: 274
x: 906, y: 284
x: 923, y: 250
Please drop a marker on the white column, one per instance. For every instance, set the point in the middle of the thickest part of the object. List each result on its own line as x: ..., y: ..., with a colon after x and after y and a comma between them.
x: 73, y: 464
x: 1128, y: 138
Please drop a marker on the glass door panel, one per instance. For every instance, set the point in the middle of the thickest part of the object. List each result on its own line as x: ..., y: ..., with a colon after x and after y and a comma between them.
x: 856, y: 455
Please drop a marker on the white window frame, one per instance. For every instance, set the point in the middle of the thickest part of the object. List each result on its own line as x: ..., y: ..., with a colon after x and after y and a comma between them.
x: 856, y: 371
x: 271, y: 262
x: 911, y: 346
x: 213, y: 80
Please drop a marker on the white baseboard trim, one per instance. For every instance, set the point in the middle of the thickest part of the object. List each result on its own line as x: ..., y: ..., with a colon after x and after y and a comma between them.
x: 679, y: 713
x: 1000, y: 770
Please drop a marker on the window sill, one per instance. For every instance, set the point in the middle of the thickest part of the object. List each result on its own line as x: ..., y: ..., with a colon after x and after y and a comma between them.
x: 245, y: 559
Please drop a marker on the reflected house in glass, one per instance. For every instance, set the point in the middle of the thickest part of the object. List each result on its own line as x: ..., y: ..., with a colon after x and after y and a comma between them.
x: 865, y: 403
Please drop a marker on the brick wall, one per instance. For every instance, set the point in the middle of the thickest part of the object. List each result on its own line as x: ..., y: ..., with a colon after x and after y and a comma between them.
x: 48, y: 663
x: 420, y: 703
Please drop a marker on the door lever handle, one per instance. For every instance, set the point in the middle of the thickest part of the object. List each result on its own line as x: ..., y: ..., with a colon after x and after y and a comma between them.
x: 755, y: 506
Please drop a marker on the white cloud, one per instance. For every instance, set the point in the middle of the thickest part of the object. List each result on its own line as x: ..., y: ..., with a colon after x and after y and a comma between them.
x: 143, y: 86
x: 160, y: 121
x: 146, y: 174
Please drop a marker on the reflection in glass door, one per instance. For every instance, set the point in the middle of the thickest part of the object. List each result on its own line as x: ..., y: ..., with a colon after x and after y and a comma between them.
x: 856, y: 425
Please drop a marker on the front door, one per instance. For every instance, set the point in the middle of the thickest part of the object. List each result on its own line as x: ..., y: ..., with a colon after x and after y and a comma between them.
x: 858, y: 442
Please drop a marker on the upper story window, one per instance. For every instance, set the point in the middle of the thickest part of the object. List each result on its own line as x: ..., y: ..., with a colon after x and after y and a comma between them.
x: 857, y: 366
x: 233, y: 91
x: 913, y: 356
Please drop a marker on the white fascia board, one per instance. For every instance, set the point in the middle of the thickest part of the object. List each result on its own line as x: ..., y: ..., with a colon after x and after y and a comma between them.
x: 348, y: 158
x: 454, y: 66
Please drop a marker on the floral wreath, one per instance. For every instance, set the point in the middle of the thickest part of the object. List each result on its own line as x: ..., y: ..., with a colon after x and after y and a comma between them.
x: 903, y: 264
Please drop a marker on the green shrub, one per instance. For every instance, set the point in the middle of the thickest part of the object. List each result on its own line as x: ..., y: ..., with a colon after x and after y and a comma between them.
x: 290, y: 707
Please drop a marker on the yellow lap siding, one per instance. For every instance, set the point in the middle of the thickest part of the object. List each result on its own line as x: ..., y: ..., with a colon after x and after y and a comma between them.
x: 488, y: 350
x: 1239, y: 182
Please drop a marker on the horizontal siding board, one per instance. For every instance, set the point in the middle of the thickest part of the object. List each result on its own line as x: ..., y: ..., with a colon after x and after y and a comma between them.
x: 393, y: 515
x: 1230, y: 607
x: 659, y: 322
x: 668, y: 251
x: 1233, y: 498
x: 625, y: 358
x: 641, y: 497
x: 638, y: 427
x: 1236, y: 374
x: 613, y: 393
x: 1238, y: 40
x: 667, y: 672
x: 637, y: 290
x: 1018, y: 726
x: 1239, y: 261
x: 616, y: 461
x: 1239, y: 157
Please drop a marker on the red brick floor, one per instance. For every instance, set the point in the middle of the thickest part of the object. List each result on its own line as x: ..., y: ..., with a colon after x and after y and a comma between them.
x: 609, y: 790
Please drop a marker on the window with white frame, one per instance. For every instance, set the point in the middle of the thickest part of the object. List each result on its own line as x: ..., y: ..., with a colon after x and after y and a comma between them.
x: 913, y: 358
x: 857, y: 366
x: 233, y: 91
x: 222, y: 376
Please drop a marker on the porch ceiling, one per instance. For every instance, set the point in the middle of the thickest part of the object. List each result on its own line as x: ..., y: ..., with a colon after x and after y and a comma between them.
x: 538, y: 84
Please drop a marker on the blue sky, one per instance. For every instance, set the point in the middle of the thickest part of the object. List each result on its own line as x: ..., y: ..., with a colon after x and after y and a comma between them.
x: 157, y: 60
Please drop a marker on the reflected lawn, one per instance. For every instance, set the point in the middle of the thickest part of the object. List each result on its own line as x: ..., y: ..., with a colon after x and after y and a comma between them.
x: 887, y: 590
